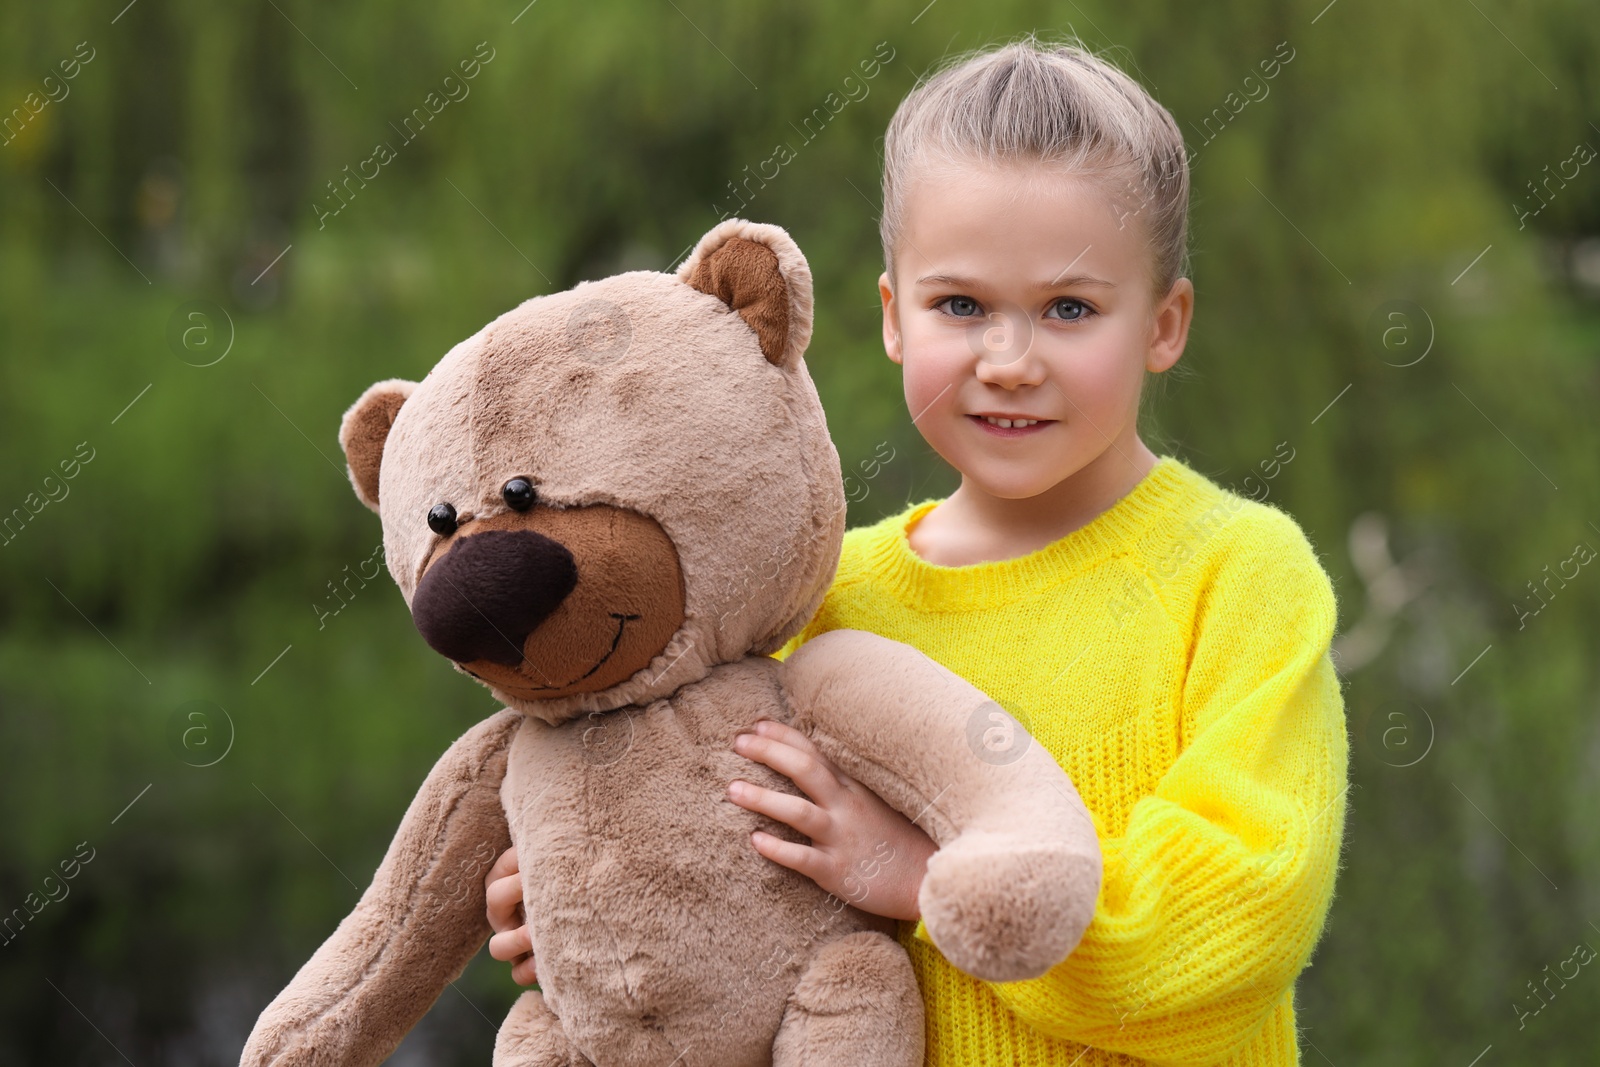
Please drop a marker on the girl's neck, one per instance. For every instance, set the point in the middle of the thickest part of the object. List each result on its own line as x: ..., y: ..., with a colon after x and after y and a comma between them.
x: 972, y: 526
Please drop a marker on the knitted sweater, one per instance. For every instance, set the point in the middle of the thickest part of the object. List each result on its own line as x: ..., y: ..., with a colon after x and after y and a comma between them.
x: 1172, y: 655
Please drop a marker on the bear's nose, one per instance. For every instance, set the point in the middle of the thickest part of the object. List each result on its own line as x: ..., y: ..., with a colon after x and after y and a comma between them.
x: 489, y: 592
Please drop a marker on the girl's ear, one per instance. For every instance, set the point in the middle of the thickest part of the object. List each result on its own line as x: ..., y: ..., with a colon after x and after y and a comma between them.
x: 758, y: 271
x: 1170, y: 328
x: 364, y: 430
x: 891, y: 319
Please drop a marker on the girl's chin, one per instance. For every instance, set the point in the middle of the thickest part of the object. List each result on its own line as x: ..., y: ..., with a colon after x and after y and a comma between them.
x: 1007, y: 485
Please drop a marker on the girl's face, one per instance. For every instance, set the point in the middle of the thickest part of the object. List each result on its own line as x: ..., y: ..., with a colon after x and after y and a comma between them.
x: 1025, y: 295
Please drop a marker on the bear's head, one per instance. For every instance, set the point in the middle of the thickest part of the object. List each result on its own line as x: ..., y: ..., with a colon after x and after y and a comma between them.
x: 606, y: 492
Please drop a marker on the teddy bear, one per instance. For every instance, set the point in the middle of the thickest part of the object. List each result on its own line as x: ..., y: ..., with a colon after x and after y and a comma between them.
x: 610, y: 505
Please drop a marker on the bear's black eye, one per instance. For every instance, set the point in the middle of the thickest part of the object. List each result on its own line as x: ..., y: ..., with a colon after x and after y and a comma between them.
x: 442, y: 519
x: 518, y: 494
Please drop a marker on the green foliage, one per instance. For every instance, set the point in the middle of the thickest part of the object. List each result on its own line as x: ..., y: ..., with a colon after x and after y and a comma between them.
x: 199, y: 542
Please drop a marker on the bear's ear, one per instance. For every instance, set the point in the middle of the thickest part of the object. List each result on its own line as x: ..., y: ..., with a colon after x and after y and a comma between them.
x: 365, y: 428
x: 757, y: 270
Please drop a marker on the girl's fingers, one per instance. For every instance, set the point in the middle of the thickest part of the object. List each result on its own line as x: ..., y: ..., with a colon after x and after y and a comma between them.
x: 790, y: 736
x: 813, y: 778
x: 787, y: 808
x: 507, y: 946
x: 523, y: 972
x: 505, y: 865
x: 802, y: 858
x: 504, y: 899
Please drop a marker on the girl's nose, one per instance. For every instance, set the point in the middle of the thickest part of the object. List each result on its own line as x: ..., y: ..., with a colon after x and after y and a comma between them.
x: 1004, y: 345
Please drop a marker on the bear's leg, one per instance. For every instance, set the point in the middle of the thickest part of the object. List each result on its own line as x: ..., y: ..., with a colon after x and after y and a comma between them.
x: 532, y: 1036
x: 857, y: 1002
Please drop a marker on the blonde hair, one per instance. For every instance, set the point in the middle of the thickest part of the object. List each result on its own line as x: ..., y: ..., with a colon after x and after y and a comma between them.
x: 1051, y: 103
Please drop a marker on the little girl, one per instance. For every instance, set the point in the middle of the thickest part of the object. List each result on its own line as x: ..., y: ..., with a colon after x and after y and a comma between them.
x: 1166, y: 640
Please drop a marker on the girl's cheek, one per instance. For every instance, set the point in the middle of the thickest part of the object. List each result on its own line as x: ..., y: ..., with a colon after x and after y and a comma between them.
x: 921, y: 391
x: 1105, y: 381
x: 933, y: 359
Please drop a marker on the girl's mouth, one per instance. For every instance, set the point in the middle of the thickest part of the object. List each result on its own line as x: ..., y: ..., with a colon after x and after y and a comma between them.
x: 1018, y: 428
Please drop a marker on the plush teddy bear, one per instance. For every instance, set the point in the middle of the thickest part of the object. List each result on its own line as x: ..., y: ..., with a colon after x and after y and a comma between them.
x: 610, y: 505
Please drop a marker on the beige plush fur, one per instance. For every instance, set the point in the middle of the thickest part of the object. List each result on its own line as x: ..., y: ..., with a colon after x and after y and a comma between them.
x: 685, y: 520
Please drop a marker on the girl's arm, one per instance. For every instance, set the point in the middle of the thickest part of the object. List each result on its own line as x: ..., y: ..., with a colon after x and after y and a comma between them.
x: 1215, y: 893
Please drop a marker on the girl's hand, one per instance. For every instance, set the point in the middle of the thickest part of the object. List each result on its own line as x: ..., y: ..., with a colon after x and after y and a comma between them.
x: 511, y: 942
x: 862, y: 850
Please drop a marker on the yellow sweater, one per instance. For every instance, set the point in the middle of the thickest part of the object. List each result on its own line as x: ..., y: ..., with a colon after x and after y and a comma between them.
x: 1172, y: 655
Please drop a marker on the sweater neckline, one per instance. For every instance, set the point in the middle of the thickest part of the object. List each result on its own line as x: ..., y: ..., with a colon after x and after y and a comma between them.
x: 919, y: 583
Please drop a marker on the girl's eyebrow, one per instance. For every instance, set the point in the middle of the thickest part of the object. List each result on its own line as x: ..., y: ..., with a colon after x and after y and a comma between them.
x: 958, y: 282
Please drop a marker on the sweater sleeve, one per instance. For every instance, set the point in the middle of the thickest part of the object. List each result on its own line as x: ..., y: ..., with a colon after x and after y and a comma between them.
x: 1215, y: 893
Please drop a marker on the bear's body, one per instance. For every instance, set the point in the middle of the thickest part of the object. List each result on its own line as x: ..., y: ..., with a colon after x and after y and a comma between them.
x: 624, y: 807
x: 610, y: 505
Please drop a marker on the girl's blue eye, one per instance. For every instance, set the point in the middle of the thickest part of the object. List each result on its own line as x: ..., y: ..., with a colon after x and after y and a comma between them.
x: 1063, y: 308
x: 962, y: 307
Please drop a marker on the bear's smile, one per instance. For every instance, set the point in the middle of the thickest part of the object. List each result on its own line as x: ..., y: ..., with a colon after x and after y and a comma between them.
x: 530, y: 689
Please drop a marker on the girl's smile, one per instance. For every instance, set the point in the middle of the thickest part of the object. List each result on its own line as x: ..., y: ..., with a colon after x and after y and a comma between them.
x: 1010, y: 425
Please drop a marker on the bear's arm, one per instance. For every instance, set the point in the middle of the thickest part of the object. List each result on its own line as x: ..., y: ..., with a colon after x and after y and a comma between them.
x: 1014, y: 883
x: 415, y: 928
